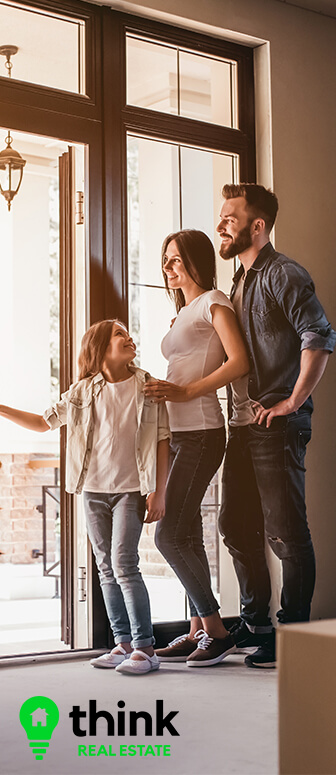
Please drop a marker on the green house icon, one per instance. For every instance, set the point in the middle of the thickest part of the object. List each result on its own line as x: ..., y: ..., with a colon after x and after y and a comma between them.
x: 39, y: 717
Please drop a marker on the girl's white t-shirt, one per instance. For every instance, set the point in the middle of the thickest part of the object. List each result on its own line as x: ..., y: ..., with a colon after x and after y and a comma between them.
x: 112, y: 466
x: 194, y: 350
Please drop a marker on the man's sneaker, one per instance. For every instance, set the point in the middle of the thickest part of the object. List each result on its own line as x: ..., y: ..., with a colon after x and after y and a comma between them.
x: 112, y: 659
x: 244, y: 638
x: 179, y: 650
x: 264, y: 656
x: 210, y: 651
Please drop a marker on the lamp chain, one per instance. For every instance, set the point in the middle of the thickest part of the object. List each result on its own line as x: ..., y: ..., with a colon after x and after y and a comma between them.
x: 9, y: 65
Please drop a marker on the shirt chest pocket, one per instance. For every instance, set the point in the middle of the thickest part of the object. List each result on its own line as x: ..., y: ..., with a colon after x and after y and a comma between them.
x: 149, y: 411
x: 79, y: 410
x: 264, y: 316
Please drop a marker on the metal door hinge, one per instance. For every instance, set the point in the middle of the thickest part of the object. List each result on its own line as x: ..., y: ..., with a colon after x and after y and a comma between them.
x: 81, y: 584
x: 79, y: 207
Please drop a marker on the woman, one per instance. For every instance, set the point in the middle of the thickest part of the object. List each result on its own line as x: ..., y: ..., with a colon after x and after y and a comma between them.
x: 205, y: 351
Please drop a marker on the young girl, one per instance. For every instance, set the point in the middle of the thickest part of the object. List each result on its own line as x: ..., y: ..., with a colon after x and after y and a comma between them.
x: 204, y: 350
x: 117, y: 453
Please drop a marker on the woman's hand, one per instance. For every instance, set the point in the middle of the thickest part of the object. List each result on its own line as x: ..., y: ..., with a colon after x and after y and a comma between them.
x: 159, y: 391
x: 155, y: 504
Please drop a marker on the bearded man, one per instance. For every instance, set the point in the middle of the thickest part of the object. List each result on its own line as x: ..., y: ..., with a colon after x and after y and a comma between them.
x: 289, y: 340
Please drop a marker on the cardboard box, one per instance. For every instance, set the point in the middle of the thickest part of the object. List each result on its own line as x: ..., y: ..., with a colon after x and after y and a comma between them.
x: 307, y: 698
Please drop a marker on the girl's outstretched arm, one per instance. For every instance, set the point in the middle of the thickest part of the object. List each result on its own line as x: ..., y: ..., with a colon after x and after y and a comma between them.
x: 33, y: 422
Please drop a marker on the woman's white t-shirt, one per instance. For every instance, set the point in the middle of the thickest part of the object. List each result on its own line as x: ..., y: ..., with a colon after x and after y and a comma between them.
x: 194, y: 350
x: 112, y: 466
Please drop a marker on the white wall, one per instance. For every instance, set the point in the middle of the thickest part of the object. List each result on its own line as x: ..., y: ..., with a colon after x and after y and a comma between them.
x: 302, y: 69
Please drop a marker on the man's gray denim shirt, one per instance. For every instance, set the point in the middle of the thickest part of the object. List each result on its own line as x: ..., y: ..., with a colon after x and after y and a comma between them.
x: 281, y: 316
x: 75, y: 409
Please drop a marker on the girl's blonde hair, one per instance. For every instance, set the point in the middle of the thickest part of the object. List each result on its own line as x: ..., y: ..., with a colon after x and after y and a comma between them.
x: 93, y: 347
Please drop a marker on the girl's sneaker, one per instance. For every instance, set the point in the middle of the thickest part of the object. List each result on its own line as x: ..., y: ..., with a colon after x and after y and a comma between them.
x: 112, y: 659
x: 139, y: 666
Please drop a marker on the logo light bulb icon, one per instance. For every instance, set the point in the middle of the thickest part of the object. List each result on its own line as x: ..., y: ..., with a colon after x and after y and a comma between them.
x: 39, y: 716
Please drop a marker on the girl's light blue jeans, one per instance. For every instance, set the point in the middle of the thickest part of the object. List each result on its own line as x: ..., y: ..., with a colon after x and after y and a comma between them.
x: 114, y: 524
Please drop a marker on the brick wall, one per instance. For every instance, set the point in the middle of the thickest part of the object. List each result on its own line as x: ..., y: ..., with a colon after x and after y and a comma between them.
x: 20, y: 521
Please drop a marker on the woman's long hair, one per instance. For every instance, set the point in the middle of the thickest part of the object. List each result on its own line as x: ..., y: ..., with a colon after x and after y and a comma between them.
x: 198, y: 255
x: 93, y: 348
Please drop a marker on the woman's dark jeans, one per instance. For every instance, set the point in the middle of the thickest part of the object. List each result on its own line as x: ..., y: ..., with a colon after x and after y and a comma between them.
x: 196, y: 456
x: 264, y: 495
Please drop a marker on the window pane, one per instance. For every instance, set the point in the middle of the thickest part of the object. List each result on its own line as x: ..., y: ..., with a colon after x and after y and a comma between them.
x: 151, y: 75
x: 170, y: 80
x: 186, y: 194
x: 203, y: 174
x: 167, y: 595
x: 153, y: 205
x: 206, y: 90
x: 150, y: 316
x: 50, y: 48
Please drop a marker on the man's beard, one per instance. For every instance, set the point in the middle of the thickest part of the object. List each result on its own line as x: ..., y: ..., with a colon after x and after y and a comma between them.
x: 242, y: 242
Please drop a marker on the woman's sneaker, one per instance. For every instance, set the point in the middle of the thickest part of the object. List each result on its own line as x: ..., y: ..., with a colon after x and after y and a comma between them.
x: 179, y: 649
x: 110, y: 660
x: 210, y: 651
x: 264, y: 656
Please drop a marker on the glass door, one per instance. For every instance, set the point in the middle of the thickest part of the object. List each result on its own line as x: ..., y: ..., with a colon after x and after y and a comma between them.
x: 34, y: 283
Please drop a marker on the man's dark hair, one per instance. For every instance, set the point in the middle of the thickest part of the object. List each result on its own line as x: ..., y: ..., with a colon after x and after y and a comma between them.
x: 261, y: 201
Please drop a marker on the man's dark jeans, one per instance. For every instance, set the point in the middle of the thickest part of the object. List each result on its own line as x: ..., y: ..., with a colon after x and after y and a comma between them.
x: 264, y: 495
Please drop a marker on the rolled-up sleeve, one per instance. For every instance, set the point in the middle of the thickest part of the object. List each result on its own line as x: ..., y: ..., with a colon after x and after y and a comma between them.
x: 295, y: 293
x: 313, y: 341
x: 56, y: 415
x: 163, y: 423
